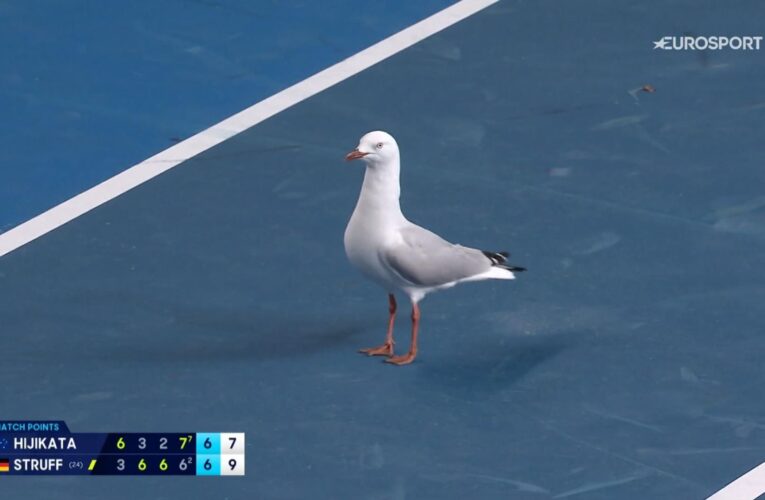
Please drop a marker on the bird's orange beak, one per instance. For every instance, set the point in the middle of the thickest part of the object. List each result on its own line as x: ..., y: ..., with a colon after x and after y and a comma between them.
x: 355, y: 155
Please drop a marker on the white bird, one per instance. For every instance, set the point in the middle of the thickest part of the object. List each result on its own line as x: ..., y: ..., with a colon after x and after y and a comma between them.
x: 402, y: 256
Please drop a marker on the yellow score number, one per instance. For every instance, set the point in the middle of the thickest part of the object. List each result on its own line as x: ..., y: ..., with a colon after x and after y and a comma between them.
x: 185, y: 440
x: 163, y: 465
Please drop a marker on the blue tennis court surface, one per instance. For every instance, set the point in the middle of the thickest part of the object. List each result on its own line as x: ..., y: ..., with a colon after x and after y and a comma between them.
x: 626, y: 363
x: 89, y: 88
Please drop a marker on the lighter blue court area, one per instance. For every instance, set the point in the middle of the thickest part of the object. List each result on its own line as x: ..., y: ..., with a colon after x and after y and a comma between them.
x: 625, y: 363
x: 88, y: 89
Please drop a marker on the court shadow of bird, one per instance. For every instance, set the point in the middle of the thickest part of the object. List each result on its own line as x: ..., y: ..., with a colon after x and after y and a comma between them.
x: 211, y: 335
x: 486, y: 366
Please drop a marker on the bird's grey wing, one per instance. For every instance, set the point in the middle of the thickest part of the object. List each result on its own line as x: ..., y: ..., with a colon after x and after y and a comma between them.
x: 425, y: 259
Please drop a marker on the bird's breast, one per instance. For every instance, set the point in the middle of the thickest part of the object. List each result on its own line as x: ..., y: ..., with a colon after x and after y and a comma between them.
x: 365, y: 238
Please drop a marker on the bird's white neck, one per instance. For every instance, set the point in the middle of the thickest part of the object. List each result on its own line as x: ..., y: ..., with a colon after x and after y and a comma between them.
x: 380, y: 193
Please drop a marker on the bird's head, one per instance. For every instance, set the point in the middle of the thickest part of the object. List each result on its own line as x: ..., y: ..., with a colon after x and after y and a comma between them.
x: 375, y: 148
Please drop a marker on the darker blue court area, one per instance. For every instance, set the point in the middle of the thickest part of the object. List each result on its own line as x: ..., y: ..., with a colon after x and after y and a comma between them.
x: 88, y: 89
x: 626, y: 363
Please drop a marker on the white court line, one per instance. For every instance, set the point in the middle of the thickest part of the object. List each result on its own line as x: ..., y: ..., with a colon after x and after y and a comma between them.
x: 169, y: 158
x: 748, y: 487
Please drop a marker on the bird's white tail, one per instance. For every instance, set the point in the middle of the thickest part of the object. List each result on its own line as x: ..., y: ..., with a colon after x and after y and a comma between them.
x: 494, y: 273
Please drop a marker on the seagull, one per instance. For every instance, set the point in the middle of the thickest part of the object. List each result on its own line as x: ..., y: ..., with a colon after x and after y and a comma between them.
x: 399, y: 255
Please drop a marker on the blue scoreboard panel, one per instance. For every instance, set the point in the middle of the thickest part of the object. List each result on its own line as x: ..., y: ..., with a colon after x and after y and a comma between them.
x: 49, y: 448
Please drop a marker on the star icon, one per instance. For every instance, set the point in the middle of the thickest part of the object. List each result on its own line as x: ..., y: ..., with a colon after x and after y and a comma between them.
x: 661, y: 44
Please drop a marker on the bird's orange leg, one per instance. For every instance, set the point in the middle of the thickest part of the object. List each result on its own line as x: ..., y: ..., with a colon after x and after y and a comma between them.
x: 409, y: 357
x: 387, y: 348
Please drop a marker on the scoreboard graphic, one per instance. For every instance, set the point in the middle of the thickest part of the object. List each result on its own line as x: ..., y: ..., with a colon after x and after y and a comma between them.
x: 49, y: 448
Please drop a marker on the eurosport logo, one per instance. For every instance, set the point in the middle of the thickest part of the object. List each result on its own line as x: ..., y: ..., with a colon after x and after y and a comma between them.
x: 708, y: 43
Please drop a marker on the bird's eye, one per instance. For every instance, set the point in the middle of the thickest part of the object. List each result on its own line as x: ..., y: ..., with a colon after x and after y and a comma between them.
x: 379, y: 145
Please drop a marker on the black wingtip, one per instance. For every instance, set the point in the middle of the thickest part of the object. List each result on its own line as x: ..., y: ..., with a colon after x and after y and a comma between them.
x: 499, y: 258
x: 496, y: 258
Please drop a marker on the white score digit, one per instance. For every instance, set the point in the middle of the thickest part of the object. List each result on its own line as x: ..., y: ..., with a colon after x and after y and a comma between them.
x: 235, y: 443
x: 233, y: 465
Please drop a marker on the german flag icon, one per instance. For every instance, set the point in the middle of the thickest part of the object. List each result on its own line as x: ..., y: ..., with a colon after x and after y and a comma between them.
x: 5, y: 465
